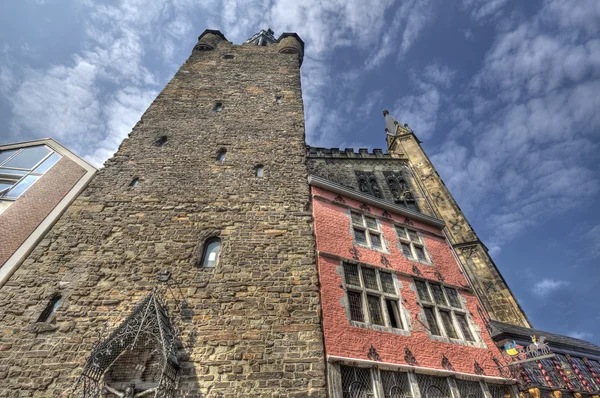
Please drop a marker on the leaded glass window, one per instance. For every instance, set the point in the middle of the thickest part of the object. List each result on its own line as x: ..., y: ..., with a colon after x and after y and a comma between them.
x: 469, y: 389
x: 375, y: 309
x: 433, y: 386
x: 366, y: 231
x: 412, y: 245
x: 372, y: 296
x: 356, y: 382
x: 355, y: 302
x: 444, y: 314
x: 395, y: 384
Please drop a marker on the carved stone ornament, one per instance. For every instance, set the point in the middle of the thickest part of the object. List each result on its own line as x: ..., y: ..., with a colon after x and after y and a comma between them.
x: 365, y: 207
x: 355, y: 254
x: 477, y: 368
x: 372, y: 354
x: 407, y: 221
x: 446, y: 363
x: 385, y: 261
x: 416, y: 270
x: 438, y: 275
x: 385, y: 214
x: 469, y: 251
x: 339, y: 199
x: 409, y: 357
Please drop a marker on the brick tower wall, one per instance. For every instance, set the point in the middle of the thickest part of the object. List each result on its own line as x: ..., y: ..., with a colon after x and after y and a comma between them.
x: 255, y: 326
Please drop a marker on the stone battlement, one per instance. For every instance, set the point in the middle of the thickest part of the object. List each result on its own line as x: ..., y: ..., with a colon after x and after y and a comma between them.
x: 348, y: 153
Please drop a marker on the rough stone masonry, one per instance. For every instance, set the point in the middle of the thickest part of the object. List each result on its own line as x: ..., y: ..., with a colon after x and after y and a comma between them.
x: 254, y: 327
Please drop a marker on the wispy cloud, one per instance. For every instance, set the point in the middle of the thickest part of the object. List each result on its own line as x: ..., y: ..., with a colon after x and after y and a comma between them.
x: 580, y: 335
x: 421, y: 108
x: 485, y: 9
x: 547, y: 286
x: 406, y: 25
x: 529, y: 143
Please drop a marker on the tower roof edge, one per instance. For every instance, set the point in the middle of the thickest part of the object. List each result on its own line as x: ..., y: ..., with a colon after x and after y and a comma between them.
x: 212, y: 31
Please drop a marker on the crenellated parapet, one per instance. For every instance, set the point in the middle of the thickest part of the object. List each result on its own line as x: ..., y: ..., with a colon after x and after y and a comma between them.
x: 347, y: 153
x: 287, y: 43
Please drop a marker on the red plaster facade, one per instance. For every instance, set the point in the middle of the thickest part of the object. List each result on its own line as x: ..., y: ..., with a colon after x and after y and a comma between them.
x: 334, y: 242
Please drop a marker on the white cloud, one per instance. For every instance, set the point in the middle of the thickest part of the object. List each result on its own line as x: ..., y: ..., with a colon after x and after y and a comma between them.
x: 421, y: 109
x: 593, y: 236
x: 408, y: 22
x: 529, y: 115
x: 547, y: 286
x: 485, y: 9
x: 580, y: 335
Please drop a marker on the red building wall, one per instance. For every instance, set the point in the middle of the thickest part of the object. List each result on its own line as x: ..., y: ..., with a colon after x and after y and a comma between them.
x: 23, y: 216
x: 334, y: 242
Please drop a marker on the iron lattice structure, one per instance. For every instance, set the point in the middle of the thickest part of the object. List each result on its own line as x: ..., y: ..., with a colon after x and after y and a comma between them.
x: 139, y: 358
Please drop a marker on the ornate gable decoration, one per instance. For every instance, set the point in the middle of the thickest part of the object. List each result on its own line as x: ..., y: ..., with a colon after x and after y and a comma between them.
x: 137, y: 359
x: 263, y: 38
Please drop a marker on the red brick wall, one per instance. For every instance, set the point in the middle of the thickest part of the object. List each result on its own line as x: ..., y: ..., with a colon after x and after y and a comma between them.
x: 24, y: 215
x: 332, y: 229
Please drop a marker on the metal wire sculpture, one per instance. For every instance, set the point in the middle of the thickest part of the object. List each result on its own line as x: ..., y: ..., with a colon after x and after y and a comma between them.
x: 138, y: 359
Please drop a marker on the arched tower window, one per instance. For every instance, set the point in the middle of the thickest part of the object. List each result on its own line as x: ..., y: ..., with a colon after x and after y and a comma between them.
x: 134, y: 182
x: 162, y: 140
x: 50, y: 310
x: 221, y: 155
x: 210, y: 255
x: 259, y: 170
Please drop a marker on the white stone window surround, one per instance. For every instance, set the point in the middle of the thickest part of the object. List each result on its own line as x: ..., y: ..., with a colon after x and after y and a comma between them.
x: 413, y: 240
x: 371, y: 227
x: 402, y: 314
x: 443, y: 304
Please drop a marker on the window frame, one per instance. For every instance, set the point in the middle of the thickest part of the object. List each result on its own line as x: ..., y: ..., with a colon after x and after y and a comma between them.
x: 368, y: 231
x: 27, y: 172
x: 407, y: 240
x: 205, y: 247
x: 447, y: 307
x: 382, y: 295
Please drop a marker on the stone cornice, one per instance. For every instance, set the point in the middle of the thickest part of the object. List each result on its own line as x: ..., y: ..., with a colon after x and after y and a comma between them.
x: 382, y: 204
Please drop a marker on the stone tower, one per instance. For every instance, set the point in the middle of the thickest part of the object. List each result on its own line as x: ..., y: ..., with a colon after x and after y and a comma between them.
x: 436, y: 199
x: 219, y: 156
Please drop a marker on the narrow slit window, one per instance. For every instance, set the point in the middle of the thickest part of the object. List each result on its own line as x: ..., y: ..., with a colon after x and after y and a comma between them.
x: 259, y: 170
x: 278, y: 99
x: 134, y: 182
x: 221, y: 155
x: 161, y: 141
x: 51, y: 308
x: 212, y: 249
x: 218, y: 107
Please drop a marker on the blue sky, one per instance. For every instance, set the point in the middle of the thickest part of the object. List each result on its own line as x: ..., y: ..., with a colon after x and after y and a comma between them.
x: 505, y: 96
